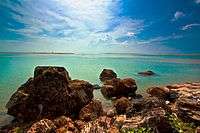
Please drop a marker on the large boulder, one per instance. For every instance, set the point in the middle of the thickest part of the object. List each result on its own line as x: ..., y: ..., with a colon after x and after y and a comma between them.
x: 91, y: 111
x: 50, y: 93
x: 107, y: 74
x: 119, y: 87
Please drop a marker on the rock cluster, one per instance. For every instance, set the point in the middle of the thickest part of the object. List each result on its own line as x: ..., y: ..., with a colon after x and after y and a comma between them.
x: 50, y: 93
x: 52, y: 102
x: 116, y: 87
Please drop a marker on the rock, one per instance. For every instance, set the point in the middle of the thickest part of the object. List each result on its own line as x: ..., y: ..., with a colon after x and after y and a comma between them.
x: 100, y: 125
x: 111, y: 112
x: 119, y: 87
x: 160, y: 92
x: 50, y: 93
x: 43, y: 126
x: 113, y: 129
x: 119, y: 121
x: 153, y: 118
x: 197, y: 130
x: 107, y: 74
x: 62, y: 121
x: 40, y: 70
x: 121, y: 105
x: 91, y: 111
x: 79, y: 124
x: 189, y: 108
x: 146, y: 73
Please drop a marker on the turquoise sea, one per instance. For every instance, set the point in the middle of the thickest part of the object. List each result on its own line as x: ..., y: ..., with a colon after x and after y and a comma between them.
x: 15, y: 69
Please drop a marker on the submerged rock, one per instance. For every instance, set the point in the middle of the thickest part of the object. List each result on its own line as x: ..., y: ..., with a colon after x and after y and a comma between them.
x: 119, y: 87
x: 107, y: 74
x: 91, y: 111
x: 146, y: 73
x: 50, y: 93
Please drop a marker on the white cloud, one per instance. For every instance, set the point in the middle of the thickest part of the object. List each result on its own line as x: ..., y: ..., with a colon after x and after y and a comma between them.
x: 178, y: 15
x: 189, y: 26
x: 74, y: 24
x: 197, y: 1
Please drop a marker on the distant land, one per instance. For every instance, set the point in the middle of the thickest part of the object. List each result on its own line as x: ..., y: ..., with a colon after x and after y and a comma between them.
x: 139, y: 54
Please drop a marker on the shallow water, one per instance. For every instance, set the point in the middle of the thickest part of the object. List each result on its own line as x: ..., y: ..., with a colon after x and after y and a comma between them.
x: 15, y: 69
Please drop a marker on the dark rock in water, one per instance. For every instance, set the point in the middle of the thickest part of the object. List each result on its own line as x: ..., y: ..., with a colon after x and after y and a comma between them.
x: 122, y: 105
x: 146, y: 73
x: 119, y: 87
x: 91, y: 111
x: 50, y: 93
x: 107, y: 74
x: 42, y: 126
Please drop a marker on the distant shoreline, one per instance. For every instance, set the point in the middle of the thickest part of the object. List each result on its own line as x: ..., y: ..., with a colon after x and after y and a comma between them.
x: 33, y: 53
x: 137, y: 54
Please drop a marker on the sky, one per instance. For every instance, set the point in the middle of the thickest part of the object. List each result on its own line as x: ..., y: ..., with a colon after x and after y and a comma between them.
x: 100, y: 26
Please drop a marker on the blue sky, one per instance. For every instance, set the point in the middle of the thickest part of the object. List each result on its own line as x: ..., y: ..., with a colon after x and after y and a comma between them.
x: 100, y: 26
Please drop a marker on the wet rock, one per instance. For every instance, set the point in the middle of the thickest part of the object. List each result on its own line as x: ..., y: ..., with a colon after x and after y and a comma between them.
x: 50, y: 93
x: 43, y: 126
x: 119, y: 87
x: 146, y: 73
x: 107, y: 74
x: 121, y: 105
x: 91, y: 111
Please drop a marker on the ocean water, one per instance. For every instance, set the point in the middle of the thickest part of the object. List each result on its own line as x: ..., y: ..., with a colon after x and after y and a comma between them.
x: 15, y: 69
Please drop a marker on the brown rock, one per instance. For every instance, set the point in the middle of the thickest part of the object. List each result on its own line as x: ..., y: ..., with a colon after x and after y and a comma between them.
x: 50, y: 93
x: 113, y: 129
x: 62, y: 121
x: 189, y: 108
x: 122, y: 105
x: 107, y: 74
x: 118, y: 87
x: 43, y: 126
x: 91, y: 111
x: 79, y: 124
x: 159, y: 92
x: 100, y: 125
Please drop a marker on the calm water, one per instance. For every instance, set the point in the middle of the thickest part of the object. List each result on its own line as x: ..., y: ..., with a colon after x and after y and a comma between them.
x: 15, y: 69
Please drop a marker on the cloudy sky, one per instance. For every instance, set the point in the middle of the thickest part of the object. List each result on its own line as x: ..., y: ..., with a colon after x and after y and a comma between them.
x: 100, y: 26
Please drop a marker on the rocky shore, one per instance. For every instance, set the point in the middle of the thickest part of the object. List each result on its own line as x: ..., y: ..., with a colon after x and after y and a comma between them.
x: 53, y: 102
